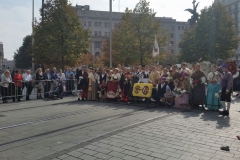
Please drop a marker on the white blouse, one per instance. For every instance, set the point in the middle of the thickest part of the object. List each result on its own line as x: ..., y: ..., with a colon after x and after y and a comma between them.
x: 62, y: 76
x: 214, y: 76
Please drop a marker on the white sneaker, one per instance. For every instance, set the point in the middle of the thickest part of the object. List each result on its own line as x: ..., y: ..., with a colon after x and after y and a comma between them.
x: 153, y: 100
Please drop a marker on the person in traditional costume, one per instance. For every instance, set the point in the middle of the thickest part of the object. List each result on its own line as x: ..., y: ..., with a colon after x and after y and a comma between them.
x: 126, y: 85
x: 102, y: 76
x: 168, y: 97
x: 184, y: 69
x: 198, y: 87
x: 174, y: 75
x: 92, y: 85
x: 237, y: 81
x: 181, y: 96
x: 154, y: 75
x: 213, y: 89
x: 226, y: 90
x: 102, y: 91
x: 219, y: 66
x: 82, y: 77
x: 145, y: 75
x: 165, y: 73
x: 113, y: 87
x: 109, y: 76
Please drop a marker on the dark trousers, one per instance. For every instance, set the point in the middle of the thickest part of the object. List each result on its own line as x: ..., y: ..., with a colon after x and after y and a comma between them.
x: 47, y: 88
x: 69, y: 86
x: 29, y: 88
x: 4, y: 92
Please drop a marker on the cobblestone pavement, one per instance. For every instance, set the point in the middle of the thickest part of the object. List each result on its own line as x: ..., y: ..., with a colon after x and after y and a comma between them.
x: 188, y: 136
x: 133, y: 132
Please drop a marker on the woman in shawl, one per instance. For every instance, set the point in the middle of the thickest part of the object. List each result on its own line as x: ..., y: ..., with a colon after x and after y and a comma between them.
x: 198, y: 87
x: 92, y: 85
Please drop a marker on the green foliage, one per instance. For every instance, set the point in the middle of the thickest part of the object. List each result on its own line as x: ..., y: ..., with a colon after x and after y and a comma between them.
x: 134, y: 36
x: 214, y: 36
x: 23, y: 57
x: 60, y: 39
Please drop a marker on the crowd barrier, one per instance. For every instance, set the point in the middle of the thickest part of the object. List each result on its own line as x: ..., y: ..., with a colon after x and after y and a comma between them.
x: 34, y: 88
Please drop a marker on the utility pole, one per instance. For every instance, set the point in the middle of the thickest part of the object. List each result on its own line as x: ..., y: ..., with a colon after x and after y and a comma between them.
x: 110, y: 33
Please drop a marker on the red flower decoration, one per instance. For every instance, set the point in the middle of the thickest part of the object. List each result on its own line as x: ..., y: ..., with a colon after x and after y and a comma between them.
x: 154, y: 84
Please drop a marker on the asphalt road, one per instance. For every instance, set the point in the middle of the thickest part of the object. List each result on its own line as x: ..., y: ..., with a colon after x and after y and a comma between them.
x: 69, y: 129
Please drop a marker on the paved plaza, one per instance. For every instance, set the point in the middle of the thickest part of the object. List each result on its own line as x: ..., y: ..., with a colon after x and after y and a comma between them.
x: 71, y: 130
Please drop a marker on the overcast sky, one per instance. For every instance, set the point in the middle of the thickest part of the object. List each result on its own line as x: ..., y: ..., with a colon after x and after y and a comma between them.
x: 16, y: 15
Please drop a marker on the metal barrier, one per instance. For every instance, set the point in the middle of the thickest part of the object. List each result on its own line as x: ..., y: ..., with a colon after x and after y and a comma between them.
x: 7, y: 92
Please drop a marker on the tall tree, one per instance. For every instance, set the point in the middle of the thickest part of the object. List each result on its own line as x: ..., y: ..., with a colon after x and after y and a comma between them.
x: 60, y: 38
x: 214, y: 36
x: 23, y: 56
x: 133, y: 37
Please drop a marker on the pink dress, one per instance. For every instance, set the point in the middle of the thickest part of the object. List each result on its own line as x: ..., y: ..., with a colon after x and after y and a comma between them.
x: 181, y: 101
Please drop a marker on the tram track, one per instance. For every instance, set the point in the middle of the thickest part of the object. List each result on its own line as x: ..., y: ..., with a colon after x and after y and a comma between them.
x: 88, y: 123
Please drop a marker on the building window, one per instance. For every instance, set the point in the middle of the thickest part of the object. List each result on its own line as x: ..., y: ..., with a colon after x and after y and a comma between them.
x: 179, y: 27
x: 99, y: 24
x: 186, y: 27
x: 95, y: 24
x: 106, y: 34
x: 171, y: 43
x: 171, y: 51
x: 89, y: 23
x: 172, y: 35
x: 97, y: 44
x: 182, y: 27
x: 171, y: 28
x: 85, y: 23
x: 100, y: 33
x: 96, y: 33
x: 105, y: 24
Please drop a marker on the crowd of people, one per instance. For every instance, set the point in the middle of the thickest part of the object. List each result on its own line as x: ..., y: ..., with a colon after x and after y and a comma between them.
x: 172, y: 86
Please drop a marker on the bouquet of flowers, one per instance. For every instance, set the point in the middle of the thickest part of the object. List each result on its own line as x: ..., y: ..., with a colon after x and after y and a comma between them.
x: 179, y: 92
x: 217, y: 95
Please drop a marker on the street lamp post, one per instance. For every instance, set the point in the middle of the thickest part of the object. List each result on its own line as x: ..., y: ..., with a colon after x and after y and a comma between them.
x: 110, y: 33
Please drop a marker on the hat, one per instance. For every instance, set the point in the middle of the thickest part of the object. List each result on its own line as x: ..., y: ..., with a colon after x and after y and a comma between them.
x: 83, y: 66
x: 219, y: 61
x: 163, y: 78
x: 168, y: 88
x: 116, y: 69
x: 224, y: 65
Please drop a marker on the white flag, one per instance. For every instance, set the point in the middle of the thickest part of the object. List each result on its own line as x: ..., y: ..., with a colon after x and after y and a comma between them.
x: 155, y: 48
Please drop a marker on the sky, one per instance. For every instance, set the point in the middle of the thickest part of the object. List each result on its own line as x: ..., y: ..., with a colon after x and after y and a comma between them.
x: 16, y: 15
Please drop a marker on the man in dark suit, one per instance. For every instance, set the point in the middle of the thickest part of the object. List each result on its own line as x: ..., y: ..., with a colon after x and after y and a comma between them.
x: 47, y: 85
x: 82, y: 79
x: 160, y: 90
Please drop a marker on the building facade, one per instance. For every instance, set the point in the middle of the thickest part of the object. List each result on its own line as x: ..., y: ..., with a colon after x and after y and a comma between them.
x: 8, y: 64
x: 1, y: 55
x: 99, y: 25
x: 233, y: 7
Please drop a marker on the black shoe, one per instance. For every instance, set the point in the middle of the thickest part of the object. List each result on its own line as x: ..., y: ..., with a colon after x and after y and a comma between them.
x: 237, y: 95
x: 78, y: 99
x: 224, y: 113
